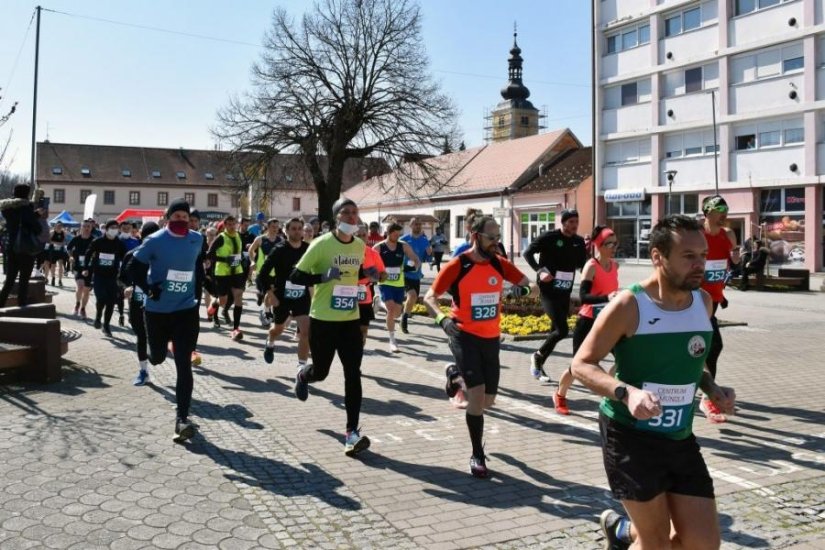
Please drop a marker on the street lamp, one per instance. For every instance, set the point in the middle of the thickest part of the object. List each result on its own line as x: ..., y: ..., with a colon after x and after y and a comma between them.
x: 671, y: 175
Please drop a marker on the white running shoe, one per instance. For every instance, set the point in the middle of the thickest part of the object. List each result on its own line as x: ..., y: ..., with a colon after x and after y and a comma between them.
x: 393, y: 345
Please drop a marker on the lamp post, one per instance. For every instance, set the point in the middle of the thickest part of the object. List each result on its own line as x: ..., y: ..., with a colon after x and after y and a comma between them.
x: 671, y: 175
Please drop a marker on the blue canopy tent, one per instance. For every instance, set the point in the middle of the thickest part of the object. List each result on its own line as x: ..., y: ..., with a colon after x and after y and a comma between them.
x: 66, y: 219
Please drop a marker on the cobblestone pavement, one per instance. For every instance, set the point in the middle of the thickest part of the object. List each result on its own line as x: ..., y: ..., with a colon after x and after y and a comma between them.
x: 89, y: 462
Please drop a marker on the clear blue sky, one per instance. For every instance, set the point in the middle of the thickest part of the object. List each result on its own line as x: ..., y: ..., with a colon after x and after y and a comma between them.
x: 104, y: 83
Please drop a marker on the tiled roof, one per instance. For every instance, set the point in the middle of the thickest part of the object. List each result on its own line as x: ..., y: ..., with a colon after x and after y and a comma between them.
x: 488, y: 168
x: 570, y: 169
x: 106, y: 163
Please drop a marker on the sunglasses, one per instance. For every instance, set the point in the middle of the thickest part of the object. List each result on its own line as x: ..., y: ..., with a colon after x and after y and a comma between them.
x: 721, y: 209
x: 610, y: 244
x: 491, y: 237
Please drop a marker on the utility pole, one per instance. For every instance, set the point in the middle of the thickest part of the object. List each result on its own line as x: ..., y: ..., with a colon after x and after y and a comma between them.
x: 34, y: 102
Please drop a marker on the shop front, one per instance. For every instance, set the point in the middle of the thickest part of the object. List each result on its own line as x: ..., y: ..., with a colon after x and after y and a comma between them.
x: 534, y: 223
x: 782, y: 224
x: 629, y: 216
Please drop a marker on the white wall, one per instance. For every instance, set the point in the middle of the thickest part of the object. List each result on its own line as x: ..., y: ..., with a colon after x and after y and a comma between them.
x: 634, y: 59
x: 627, y: 176
x: 755, y: 26
x: 690, y: 45
x: 686, y: 108
x: 752, y: 166
x: 692, y: 171
x: 760, y: 95
x: 633, y: 118
x: 617, y: 9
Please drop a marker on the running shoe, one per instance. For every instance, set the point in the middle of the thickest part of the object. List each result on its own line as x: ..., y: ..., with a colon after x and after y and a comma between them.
x: 355, y: 443
x: 226, y: 318
x: 183, y: 430
x: 404, y: 328
x: 212, y: 311
x: 98, y: 324
x: 478, y: 466
x: 609, y: 522
x: 536, y: 365
x: 393, y: 345
x: 455, y: 382
x: 107, y: 331
x: 196, y: 359
x: 269, y: 354
x: 712, y: 412
x: 121, y: 322
x: 560, y: 403
x: 83, y: 313
x: 264, y: 320
x: 142, y: 378
x: 236, y: 335
x: 544, y: 377
x: 60, y: 283
x: 301, y: 386
x: 76, y: 311
x: 53, y: 282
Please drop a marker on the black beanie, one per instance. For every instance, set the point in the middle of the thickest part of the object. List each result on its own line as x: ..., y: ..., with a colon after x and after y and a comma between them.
x: 341, y: 203
x: 176, y: 205
x: 147, y: 229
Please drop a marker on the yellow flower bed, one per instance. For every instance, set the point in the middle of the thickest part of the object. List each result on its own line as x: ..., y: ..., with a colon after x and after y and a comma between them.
x: 516, y: 325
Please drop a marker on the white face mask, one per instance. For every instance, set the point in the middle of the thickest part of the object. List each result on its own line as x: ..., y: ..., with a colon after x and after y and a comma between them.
x: 112, y: 233
x: 347, y: 228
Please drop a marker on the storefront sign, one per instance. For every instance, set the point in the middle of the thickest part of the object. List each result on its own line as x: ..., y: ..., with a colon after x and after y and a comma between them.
x: 501, y: 212
x: 624, y: 195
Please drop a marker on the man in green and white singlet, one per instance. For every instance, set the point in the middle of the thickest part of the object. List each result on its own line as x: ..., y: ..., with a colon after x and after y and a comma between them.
x: 660, y: 333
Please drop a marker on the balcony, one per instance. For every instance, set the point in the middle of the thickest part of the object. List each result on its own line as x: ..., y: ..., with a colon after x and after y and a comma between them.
x: 628, y: 61
x: 695, y: 44
x: 767, y: 164
x: 756, y: 26
x: 686, y: 108
x: 761, y: 95
x: 632, y: 118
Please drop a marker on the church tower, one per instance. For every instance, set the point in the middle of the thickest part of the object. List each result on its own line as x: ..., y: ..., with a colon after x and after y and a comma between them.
x: 515, y: 116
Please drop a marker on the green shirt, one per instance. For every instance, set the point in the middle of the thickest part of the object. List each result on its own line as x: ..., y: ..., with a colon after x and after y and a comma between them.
x: 336, y: 300
x: 665, y: 356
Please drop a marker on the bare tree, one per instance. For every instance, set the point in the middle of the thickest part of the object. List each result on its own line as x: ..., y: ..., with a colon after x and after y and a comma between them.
x: 349, y: 80
x: 4, y: 118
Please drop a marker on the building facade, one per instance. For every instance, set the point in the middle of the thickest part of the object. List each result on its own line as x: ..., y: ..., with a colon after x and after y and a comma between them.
x: 664, y: 68
x: 144, y: 180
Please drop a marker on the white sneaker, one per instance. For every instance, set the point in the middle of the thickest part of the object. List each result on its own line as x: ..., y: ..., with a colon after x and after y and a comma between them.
x: 263, y: 318
x: 393, y: 345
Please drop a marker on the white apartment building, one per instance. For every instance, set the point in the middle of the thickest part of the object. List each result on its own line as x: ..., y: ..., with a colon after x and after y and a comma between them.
x: 660, y: 64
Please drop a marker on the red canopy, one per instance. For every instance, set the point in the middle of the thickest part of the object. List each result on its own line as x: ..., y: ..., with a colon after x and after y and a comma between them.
x: 139, y: 213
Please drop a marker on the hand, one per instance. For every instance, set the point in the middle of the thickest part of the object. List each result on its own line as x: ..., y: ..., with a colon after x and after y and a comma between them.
x: 642, y: 404
x: 127, y: 292
x: 85, y: 272
x: 724, y: 303
x: 724, y: 398
x: 154, y: 292
x: 450, y: 327
x: 332, y: 273
x: 544, y: 275
x: 373, y: 274
x: 517, y: 291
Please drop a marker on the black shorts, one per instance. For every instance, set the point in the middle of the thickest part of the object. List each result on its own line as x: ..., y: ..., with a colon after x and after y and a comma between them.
x: 86, y: 280
x: 583, y: 327
x: 367, y: 314
x: 477, y: 360
x: 641, y: 465
x: 294, y: 308
x: 225, y: 285
x: 412, y: 284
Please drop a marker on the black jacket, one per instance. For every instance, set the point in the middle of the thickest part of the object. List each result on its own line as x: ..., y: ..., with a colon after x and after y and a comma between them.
x: 17, y: 212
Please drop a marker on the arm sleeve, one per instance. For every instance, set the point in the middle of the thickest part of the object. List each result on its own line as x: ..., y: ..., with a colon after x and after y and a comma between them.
x: 138, y: 273
x: 213, y: 248
x: 300, y: 277
x: 585, y: 289
x: 123, y: 274
x: 446, y: 277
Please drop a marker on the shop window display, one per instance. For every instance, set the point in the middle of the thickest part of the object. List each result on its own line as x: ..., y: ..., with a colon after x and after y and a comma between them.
x: 782, y: 224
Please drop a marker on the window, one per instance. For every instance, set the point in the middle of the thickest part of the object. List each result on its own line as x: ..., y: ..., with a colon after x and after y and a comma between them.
x: 745, y: 142
x: 767, y: 64
x: 86, y: 172
x: 126, y: 173
x: 624, y: 152
x: 629, y: 94
x: 230, y: 177
x: 84, y: 194
x: 795, y: 199
x: 673, y: 25
x: 693, y: 80
x: 108, y: 197
x: 134, y: 198
x: 742, y: 7
x: 691, y: 19
x: 770, y: 139
x: 696, y: 150
x: 459, y: 227
x: 236, y: 201
x: 501, y: 121
x: 190, y: 198
x: 525, y: 121
x: 296, y: 204
x: 57, y: 170
x: 209, y: 176
x: 794, y: 135
x: 628, y: 38
x: 686, y: 144
x: 212, y: 200
x: 180, y: 174
x: 155, y: 173
x: 793, y: 64
x: 59, y: 196
x: 163, y: 198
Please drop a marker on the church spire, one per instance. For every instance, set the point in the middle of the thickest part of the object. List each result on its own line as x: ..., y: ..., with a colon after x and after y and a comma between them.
x: 515, y: 89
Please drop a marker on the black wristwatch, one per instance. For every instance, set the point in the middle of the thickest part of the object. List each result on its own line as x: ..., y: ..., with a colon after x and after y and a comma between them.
x: 620, y: 393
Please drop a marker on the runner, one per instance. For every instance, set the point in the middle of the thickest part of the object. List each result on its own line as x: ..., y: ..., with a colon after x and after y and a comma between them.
x: 721, y: 242
x: 475, y: 281
x: 561, y: 253
x: 77, y: 249
x: 660, y: 333
x: 374, y: 237
x: 258, y: 251
x: 167, y: 268
x: 440, y: 244
x: 420, y: 244
x: 469, y: 216
x: 226, y: 254
x: 130, y: 242
x: 333, y: 263
x: 55, y: 254
x: 102, y: 263
x: 136, y: 308
x: 392, y: 252
x: 309, y: 233
x: 600, y: 284
x: 365, y: 287
x: 288, y: 298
